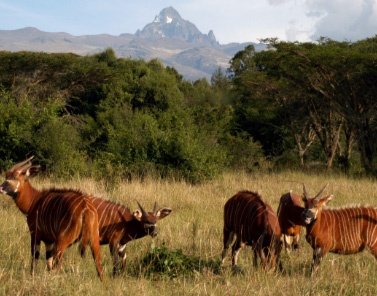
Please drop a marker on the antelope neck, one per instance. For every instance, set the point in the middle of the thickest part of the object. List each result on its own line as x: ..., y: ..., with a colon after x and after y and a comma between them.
x: 28, y: 201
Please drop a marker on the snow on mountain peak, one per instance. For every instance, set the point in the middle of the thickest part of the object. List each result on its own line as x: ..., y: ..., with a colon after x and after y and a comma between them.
x: 167, y: 16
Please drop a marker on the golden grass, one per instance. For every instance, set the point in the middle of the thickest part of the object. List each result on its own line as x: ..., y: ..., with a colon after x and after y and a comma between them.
x: 195, y: 227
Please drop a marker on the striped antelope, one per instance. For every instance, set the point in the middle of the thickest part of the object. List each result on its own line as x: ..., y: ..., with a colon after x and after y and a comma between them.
x: 58, y: 217
x: 344, y: 231
x: 290, y: 219
x: 255, y: 224
x: 118, y: 226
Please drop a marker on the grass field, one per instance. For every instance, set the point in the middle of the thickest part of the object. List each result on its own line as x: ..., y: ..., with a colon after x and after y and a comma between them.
x: 194, y: 230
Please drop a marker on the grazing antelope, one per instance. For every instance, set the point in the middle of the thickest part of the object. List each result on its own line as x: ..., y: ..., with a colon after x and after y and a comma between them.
x: 290, y: 219
x: 118, y: 226
x: 255, y: 224
x: 58, y: 217
x: 344, y: 231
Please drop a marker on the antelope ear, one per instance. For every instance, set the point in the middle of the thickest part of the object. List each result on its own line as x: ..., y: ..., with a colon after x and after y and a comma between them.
x: 137, y: 214
x: 326, y: 199
x: 162, y: 213
x: 32, y: 171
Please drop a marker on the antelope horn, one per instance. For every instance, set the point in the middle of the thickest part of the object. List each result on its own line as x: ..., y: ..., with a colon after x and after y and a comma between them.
x: 319, y: 193
x: 142, y: 210
x: 22, y: 164
x: 305, y: 192
x: 155, y: 208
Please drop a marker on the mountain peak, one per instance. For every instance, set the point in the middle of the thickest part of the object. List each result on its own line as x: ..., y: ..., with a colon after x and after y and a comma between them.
x: 167, y: 15
x: 169, y: 24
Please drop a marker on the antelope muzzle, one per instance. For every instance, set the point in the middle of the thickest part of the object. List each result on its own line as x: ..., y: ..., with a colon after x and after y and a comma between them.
x: 309, y: 215
x: 151, y: 229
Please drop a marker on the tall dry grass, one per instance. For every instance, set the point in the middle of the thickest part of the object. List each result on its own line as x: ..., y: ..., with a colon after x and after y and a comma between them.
x: 195, y: 227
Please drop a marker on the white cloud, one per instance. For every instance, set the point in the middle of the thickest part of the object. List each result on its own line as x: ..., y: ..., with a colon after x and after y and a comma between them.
x: 296, y: 32
x: 343, y: 20
x: 278, y: 2
x: 337, y: 19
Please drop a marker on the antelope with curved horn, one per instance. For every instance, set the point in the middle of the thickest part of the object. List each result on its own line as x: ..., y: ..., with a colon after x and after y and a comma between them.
x: 118, y: 226
x: 58, y: 217
x: 254, y: 223
x: 344, y: 231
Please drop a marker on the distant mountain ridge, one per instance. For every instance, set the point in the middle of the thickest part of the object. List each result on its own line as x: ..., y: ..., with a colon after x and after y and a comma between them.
x: 176, y: 42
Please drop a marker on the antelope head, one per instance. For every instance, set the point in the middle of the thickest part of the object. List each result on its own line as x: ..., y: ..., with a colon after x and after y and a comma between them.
x: 313, y: 206
x: 149, y: 219
x: 17, y: 176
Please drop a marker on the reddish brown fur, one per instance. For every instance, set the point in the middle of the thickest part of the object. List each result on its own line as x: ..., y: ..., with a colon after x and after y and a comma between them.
x: 290, y: 218
x: 58, y: 217
x: 118, y: 226
x: 255, y: 224
x: 344, y: 231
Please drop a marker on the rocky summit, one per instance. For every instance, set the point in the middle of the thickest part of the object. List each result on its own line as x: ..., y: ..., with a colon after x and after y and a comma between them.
x: 174, y: 41
x: 169, y: 24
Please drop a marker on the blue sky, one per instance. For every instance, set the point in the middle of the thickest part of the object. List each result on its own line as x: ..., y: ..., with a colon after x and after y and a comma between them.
x: 231, y: 21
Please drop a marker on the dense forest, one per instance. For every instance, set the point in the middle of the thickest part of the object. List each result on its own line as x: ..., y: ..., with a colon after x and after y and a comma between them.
x: 295, y: 105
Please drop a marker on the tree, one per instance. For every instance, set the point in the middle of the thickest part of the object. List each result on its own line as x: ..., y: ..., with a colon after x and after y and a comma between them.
x: 255, y: 108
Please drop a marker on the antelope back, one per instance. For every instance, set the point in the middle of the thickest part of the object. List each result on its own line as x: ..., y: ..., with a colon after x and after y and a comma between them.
x: 350, y: 230
x: 58, y: 210
x: 254, y: 223
x: 243, y: 214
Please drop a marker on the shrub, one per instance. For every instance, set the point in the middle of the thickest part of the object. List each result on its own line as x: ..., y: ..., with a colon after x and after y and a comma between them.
x: 162, y: 262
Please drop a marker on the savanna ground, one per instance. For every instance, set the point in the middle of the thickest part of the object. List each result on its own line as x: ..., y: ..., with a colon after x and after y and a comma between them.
x: 193, y: 230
